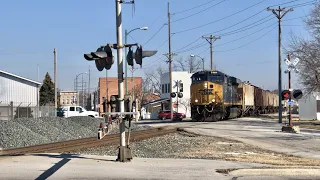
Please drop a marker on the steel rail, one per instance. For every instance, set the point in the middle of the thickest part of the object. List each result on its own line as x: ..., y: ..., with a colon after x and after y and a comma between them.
x: 71, y: 145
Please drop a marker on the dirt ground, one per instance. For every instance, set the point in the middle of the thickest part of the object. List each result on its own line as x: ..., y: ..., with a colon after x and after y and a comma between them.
x: 188, y: 145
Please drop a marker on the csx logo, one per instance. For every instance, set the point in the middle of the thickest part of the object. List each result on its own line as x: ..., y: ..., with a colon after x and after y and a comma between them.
x: 205, y: 91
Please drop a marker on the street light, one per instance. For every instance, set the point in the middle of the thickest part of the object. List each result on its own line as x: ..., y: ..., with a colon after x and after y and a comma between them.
x: 126, y: 64
x: 192, y: 55
x: 81, y: 85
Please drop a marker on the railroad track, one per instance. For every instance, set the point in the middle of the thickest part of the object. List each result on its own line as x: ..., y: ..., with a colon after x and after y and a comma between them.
x: 66, y: 146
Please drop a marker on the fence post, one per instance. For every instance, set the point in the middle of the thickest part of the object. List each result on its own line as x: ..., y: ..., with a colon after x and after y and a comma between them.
x: 11, y: 110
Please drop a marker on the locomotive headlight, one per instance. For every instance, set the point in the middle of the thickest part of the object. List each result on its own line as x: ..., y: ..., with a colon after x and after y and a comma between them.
x: 196, y: 100
x: 213, y: 100
x: 205, y: 85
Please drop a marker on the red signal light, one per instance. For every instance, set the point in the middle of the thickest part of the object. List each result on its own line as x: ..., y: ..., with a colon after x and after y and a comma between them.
x: 286, y: 95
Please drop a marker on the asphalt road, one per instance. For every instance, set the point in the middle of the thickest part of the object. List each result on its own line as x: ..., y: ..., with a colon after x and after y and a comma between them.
x: 255, y: 131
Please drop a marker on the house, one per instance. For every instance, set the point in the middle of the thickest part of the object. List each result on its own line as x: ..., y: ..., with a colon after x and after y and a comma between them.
x: 309, y: 107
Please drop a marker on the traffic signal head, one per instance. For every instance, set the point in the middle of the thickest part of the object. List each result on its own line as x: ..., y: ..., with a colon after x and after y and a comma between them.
x: 138, y: 55
x: 285, y: 94
x: 130, y: 57
x: 103, y: 57
x: 173, y: 95
x: 180, y: 95
x: 297, y: 94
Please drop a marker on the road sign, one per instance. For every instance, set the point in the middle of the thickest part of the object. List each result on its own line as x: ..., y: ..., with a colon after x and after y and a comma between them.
x: 177, y: 82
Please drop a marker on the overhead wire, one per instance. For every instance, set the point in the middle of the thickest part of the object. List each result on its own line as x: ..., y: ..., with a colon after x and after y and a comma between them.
x: 154, y: 35
x: 193, y: 7
x: 219, y: 19
x: 198, y: 12
x: 247, y: 43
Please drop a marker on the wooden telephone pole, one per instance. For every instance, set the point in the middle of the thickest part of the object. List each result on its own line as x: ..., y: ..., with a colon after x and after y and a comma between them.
x: 212, y: 39
x: 279, y: 15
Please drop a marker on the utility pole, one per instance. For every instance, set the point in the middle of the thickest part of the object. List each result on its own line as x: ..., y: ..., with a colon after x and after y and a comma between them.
x: 89, y: 93
x: 212, y: 39
x: 132, y: 83
x: 279, y: 16
x: 170, y: 60
x: 55, y: 82
x: 82, y: 91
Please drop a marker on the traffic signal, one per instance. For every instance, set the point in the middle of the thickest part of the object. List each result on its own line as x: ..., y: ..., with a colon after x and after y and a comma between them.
x: 297, y: 94
x: 103, y: 57
x: 130, y: 57
x: 285, y: 94
x: 138, y: 55
x: 173, y: 95
x: 180, y: 95
x: 128, y: 104
x: 114, y: 103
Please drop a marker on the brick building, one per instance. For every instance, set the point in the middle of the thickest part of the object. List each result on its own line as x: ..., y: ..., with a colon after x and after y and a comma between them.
x: 113, y: 87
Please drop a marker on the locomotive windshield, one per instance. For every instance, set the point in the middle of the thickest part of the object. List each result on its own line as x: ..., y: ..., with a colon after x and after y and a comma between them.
x: 216, y: 78
x: 199, y: 78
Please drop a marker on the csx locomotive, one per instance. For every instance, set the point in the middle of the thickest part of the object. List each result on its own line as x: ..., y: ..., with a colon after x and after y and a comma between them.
x: 216, y: 96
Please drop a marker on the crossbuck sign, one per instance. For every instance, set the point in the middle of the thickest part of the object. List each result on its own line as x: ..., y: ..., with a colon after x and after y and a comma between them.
x: 292, y: 65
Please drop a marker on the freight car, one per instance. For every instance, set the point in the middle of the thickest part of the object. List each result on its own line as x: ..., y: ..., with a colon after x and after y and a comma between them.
x: 216, y: 96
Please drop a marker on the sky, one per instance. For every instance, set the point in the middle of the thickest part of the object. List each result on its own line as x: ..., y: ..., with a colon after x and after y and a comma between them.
x: 248, y: 48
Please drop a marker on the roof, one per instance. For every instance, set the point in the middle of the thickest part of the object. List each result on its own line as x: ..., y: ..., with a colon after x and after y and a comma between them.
x: 19, y: 77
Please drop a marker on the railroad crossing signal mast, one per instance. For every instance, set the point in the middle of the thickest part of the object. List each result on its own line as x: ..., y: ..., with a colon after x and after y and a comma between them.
x: 290, y: 94
x: 121, y: 106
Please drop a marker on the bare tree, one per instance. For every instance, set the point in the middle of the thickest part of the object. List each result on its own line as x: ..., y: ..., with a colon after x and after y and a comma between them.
x: 185, y: 104
x: 308, y: 51
x: 189, y: 64
x: 152, y: 79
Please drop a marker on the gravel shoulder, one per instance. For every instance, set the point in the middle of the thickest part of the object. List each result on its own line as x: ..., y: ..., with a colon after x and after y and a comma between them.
x: 32, y: 131
x: 193, y: 146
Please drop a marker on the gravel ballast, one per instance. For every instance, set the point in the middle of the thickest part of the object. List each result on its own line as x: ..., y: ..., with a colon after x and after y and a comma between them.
x: 189, y: 145
x: 32, y: 131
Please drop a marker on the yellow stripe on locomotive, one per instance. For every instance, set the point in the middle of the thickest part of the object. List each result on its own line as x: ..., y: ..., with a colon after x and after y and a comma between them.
x: 206, y: 92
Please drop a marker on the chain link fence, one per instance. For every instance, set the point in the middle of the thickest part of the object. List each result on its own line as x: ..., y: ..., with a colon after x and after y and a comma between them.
x: 14, y: 110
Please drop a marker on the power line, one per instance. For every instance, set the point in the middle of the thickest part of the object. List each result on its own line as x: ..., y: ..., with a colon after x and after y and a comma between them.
x: 154, y: 34
x: 198, y: 12
x: 219, y: 19
x: 188, y: 44
x: 193, y: 8
x: 247, y: 43
x: 244, y: 36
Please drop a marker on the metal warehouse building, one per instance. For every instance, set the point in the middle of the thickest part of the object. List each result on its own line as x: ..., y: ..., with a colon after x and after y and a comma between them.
x: 16, y: 91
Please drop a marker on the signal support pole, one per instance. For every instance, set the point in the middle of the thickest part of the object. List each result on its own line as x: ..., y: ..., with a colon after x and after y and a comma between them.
x: 289, y: 85
x: 55, y: 82
x: 124, y: 151
x: 279, y: 16
x: 212, y: 39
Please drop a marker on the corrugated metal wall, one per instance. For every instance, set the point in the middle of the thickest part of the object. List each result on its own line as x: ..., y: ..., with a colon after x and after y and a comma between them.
x: 17, y: 90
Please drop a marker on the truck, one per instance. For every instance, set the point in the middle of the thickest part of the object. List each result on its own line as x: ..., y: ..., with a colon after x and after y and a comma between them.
x: 70, y: 111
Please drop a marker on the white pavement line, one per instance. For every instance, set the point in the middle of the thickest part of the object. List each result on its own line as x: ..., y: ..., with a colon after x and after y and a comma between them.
x: 276, y: 172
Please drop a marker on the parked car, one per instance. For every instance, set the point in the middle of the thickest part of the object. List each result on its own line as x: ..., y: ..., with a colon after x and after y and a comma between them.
x: 70, y: 111
x: 167, y: 115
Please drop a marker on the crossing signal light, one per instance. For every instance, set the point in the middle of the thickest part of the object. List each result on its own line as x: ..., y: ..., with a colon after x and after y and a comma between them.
x: 297, y: 94
x: 103, y: 57
x: 285, y: 94
x: 130, y: 57
x: 138, y: 55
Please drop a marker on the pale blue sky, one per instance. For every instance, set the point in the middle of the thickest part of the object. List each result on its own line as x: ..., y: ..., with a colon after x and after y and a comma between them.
x: 31, y: 29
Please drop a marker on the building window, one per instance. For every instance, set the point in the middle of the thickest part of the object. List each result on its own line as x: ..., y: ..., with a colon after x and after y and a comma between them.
x: 168, y: 90
x: 163, y: 89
